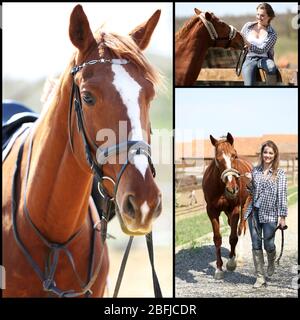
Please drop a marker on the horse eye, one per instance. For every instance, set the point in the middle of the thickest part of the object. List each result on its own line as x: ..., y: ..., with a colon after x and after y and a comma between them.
x: 88, y: 99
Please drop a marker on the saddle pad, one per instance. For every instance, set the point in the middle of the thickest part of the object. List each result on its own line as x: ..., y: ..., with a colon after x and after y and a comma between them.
x: 24, y: 127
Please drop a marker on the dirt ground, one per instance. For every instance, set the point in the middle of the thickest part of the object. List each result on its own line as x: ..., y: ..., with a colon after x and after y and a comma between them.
x: 195, y: 268
x: 184, y: 209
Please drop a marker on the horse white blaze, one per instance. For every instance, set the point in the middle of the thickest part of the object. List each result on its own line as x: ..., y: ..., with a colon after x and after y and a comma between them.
x: 228, y: 164
x: 129, y: 91
x: 144, y: 210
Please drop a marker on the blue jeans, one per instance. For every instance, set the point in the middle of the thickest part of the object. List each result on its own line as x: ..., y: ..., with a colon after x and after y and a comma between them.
x: 264, y: 230
x: 251, y: 65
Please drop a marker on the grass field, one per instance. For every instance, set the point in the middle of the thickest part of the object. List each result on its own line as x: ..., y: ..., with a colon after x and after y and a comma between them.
x: 191, y: 228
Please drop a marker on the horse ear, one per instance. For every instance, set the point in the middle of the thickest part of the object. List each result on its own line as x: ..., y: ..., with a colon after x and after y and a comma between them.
x: 79, y: 30
x: 213, y: 140
x: 142, y: 33
x: 197, y: 11
x: 208, y: 16
x: 230, y: 138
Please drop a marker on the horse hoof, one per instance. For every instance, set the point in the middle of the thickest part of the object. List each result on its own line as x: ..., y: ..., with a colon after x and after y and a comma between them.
x: 231, y: 264
x: 219, y: 275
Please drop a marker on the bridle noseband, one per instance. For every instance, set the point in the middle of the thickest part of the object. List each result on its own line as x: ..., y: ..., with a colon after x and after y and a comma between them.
x: 213, y: 33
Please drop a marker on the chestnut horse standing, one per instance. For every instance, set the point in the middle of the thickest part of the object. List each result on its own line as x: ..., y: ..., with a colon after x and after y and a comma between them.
x: 225, y: 190
x: 193, y: 40
x: 107, y: 82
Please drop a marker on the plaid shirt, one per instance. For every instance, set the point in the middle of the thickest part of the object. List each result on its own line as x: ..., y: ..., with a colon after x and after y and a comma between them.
x: 268, y: 195
x: 267, y: 45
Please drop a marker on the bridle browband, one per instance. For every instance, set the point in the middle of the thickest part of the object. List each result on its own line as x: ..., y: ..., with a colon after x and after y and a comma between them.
x: 213, y: 33
x: 110, y: 204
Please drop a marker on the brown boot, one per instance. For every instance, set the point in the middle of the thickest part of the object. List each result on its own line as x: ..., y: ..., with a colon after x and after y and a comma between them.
x: 271, y: 262
x: 258, y: 259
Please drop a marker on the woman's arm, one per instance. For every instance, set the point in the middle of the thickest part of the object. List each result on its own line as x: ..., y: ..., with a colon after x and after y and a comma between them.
x: 249, y: 181
x: 282, y: 205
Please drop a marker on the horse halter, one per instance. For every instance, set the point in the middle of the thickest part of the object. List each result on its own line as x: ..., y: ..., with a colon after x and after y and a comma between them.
x: 227, y: 172
x: 213, y: 33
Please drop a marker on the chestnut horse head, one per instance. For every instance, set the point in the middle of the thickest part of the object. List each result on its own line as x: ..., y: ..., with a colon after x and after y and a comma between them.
x: 225, y: 158
x: 193, y: 40
x: 115, y: 85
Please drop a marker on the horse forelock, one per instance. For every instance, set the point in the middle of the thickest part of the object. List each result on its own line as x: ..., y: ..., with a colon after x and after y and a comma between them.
x: 124, y: 47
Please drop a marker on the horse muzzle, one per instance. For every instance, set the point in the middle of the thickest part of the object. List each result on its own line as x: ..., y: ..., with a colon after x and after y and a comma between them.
x: 136, y: 217
x: 231, y: 193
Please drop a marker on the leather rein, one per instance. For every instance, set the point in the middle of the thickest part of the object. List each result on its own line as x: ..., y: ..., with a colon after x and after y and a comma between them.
x: 110, y: 204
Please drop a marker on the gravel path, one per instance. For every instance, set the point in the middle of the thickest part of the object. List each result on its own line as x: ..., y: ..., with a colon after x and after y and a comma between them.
x: 195, y: 266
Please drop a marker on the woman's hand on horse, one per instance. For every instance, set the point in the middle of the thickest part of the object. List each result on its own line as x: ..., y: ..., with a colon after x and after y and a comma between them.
x: 248, y: 175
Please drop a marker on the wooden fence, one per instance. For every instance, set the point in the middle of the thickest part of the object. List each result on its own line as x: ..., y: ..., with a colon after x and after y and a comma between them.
x: 195, y: 167
x: 227, y: 76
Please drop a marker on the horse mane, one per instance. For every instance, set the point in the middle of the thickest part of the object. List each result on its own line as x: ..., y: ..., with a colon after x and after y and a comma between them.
x: 125, y: 47
x: 190, y: 23
x: 49, y: 88
x: 186, y: 27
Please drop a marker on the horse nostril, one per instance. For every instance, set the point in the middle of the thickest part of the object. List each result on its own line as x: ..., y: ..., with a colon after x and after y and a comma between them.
x: 129, y: 206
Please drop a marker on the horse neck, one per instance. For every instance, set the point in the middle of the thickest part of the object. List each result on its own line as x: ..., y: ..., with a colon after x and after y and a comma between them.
x: 58, y: 187
x: 190, y: 51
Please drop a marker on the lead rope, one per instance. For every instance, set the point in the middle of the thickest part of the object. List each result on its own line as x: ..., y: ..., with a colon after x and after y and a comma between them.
x: 241, y: 60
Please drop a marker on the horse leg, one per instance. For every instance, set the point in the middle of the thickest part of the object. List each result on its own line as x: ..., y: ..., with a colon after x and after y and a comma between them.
x: 219, y: 273
x: 233, y: 239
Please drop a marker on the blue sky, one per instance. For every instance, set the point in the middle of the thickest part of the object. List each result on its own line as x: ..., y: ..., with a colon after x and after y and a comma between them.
x: 230, y: 8
x: 241, y: 111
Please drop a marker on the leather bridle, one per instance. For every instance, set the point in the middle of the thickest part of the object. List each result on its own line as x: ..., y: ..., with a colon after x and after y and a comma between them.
x: 102, y: 154
x: 213, y: 33
x: 110, y: 204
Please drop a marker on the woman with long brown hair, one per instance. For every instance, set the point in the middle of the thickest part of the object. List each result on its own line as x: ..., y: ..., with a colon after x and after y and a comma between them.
x: 267, y: 185
x: 260, y: 38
